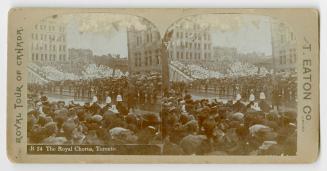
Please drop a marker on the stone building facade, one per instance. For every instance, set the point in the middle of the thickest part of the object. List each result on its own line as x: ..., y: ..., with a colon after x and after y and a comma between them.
x: 143, y: 50
x: 283, y: 47
x: 48, y: 45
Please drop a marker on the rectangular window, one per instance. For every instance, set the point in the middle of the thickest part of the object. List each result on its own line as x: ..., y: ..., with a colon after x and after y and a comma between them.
x: 284, y: 59
x: 157, y: 57
x: 291, y: 58
x: 150, y: 58
x: 135, y: 61
x: 280, y: 59
x: 146, y: 61
x: 294, y: 56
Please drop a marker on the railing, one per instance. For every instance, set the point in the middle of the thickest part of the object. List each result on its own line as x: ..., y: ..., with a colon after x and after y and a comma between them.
x: 175, y: 68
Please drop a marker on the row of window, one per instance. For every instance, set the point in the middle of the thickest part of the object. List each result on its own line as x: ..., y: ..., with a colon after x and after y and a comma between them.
x: 149, y: 39
x: 60, y: 38
x: 286, y: 36
x: 148, y: 60
x: 283, y: 56
x: 44, y: 57
x: 193, y: 36
x: 51, y: 47
x: 189, y: 45
x: 191, y: 55
x: 49, y: 27
x: 291, y: 59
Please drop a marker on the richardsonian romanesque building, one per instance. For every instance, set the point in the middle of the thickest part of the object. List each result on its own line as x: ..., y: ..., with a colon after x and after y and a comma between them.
x: 190, y: 43
x: 283, y: 47
x: 48, y: 45
x: 143, y: 50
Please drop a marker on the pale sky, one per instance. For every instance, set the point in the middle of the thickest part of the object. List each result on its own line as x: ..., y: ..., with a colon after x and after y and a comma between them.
x: 249, y: 38
x: 100, y: 43
x: 106, y: 33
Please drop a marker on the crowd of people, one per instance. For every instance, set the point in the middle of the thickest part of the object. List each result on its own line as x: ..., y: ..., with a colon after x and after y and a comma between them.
x: 236, y: 69
x: 137, y: 89
x: 243, y: 126
x: 111, y: 116
x: 279, y: 88
x: 90, y: 71
x: 196, y: 71
x: 248, y: 124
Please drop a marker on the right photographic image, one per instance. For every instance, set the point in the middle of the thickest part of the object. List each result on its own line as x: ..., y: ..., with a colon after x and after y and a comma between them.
x: 231, y: 86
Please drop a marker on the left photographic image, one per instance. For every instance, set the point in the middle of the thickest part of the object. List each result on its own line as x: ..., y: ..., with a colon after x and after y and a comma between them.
x: 95, y: 79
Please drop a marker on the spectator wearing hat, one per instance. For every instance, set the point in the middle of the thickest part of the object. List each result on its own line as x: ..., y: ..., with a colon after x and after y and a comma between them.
x: 238, y: 106
x: 251, y: 103
x: 107, y: 106
x: 264, y: 106
x: 120, y: 105
x: 95, y: 108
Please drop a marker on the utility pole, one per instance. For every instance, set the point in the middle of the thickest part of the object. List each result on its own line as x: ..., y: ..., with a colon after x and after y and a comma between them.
x: 164, y: 60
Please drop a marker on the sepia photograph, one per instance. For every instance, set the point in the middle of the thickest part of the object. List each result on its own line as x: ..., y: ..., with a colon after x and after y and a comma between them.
x: 163, y: 85
x: 233, y: 86
x: 94, y: 79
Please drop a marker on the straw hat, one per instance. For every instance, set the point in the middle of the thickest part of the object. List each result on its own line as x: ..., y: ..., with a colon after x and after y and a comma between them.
x: 97, y: 118
x: 251, y: 98
x: 262, y: 96
x: 114, y: 109
x: 108, y: 99
x: 94, y: 99
x: 238, y: 97
x: 119, y: 98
